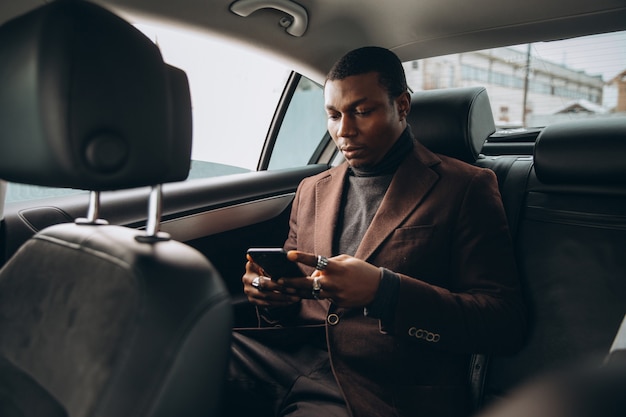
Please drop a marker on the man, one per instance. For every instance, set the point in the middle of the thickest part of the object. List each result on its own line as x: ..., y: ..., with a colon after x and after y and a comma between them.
x: 411, y: 270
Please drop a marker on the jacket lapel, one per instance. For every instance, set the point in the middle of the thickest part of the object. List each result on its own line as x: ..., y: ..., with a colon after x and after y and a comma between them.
x: 328, y: 202
x: 410, y: 184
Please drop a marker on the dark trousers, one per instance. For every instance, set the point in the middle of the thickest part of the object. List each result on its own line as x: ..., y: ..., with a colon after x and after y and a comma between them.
x: 271, y: 379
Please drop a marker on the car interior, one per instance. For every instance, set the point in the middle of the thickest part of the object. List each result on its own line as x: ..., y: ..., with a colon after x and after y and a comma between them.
x: 120, y: 301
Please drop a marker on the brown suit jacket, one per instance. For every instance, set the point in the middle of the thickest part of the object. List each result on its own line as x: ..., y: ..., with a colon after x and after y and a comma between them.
x: 441, y: 227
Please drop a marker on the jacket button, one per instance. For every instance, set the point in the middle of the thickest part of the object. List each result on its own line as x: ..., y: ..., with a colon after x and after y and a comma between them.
x: 424, y: 334
x: 332, y: 319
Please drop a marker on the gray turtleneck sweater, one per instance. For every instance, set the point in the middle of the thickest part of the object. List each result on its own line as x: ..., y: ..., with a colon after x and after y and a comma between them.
x: 365, y: 189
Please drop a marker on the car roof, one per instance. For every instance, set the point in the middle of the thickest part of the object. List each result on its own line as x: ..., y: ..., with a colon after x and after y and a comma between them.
x: 412, y: 29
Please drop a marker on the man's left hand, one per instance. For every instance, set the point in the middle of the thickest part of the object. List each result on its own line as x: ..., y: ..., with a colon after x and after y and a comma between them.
x: 345, y: 280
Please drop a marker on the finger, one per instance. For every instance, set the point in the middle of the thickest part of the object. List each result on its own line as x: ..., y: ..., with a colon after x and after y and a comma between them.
x: 253, y: 268
x: 267, y: 290
x: 303, y: 287
x: 261, y: 287
x: 263, y: 284
x: 267, y: 285
x: 296, y: 286
x: 316, y: 261
x: 302, y: 257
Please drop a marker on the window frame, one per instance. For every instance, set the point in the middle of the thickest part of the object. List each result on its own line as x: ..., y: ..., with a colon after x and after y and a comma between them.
x: 323, y: 153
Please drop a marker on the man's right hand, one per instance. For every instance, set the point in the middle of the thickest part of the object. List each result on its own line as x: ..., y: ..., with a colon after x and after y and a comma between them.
x: 264, y: 292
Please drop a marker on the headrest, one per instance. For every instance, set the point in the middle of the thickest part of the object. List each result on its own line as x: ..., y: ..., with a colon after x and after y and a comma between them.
x: 455, y: 122
x: 87, y: 102
x: 585, y: 152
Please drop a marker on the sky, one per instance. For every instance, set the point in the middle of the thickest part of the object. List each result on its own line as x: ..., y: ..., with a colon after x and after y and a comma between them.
x: 600, y: 54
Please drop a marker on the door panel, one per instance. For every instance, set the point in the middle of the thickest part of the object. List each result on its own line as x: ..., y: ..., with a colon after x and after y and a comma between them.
x: 220, y: 216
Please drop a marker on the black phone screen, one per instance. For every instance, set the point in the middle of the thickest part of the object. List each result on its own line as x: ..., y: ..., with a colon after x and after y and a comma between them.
x: 275, y: 263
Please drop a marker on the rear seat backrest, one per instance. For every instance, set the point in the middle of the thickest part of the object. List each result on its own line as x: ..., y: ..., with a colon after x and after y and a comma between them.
x: 571, y: 248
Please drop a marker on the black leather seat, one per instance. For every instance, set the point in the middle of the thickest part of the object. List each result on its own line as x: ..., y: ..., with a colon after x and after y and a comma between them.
x: 585, y: 389
x: 566, y: 215
x: 98, y: 319
x: 570, y: 246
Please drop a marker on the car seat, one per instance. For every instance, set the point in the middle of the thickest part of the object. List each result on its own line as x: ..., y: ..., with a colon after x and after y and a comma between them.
x: 99, y: 319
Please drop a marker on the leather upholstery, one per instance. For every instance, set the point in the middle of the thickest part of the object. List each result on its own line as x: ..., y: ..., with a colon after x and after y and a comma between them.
x: 94, y: 320
x: 566, y: 213
x: 85, y: 99
x: 582, y: 152
x: 20, y: 395
x: 570, y: 247
x: 455, y: 122
x: 584, y: 391
x: 113, y: 327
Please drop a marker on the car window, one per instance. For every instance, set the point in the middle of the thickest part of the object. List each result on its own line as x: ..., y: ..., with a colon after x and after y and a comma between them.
x: 302, y: 128
x: 234, y: 94
x: 537, y: 84
x: 25, y: 192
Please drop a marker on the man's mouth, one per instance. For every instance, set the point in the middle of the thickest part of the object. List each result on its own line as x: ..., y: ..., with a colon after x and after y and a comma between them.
x: 351, y: 151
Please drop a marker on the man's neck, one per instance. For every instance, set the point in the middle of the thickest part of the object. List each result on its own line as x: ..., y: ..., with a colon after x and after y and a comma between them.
x: 391, y: 160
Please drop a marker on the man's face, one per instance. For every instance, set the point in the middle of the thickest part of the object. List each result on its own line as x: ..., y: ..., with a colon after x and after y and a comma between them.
x: 361, y: 119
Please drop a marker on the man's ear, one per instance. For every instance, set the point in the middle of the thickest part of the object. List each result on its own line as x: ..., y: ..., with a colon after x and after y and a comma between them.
x: 403, y: 101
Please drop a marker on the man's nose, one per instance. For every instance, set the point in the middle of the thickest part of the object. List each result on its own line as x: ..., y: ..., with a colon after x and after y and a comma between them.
x: 346, y: 127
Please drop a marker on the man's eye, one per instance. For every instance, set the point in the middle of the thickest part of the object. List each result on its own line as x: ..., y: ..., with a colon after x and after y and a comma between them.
x: 333, y: 116
x: 362, y: 112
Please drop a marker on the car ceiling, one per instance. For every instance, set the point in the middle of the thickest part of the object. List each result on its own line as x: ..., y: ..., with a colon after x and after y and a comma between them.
x: 413, y: 29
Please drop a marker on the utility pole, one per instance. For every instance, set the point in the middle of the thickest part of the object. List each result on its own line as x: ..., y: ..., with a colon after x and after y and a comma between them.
x: 526, y: 77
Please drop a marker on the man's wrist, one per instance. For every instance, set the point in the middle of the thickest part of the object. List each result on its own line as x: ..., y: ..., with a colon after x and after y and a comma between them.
x: 383, y: 306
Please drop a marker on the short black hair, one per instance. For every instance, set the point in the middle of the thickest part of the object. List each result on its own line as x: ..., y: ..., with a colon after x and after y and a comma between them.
x: 359, y: 61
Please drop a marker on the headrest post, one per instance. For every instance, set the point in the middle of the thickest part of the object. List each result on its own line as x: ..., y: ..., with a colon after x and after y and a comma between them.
x: 94, y: 210
x: 154, y: 211
x: 154, y: 217
x: 94, y: 206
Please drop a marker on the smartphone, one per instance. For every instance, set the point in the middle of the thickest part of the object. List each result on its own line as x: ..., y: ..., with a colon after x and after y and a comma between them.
x: 275, y: 263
